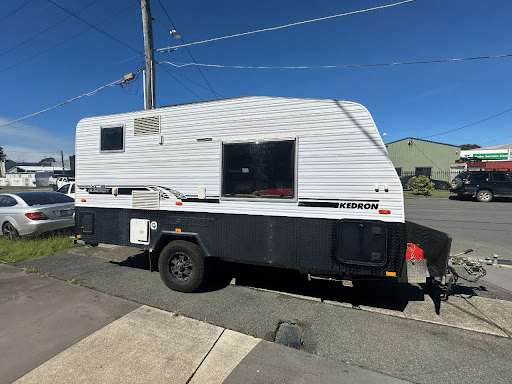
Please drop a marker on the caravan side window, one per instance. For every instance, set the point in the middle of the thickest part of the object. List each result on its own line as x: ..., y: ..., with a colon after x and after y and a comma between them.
x: 259, y: 169
x: 112, y: 139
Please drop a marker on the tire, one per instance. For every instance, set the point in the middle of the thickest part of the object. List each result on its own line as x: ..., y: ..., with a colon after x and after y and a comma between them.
x: 9, y: 232
x: 182, y: 266
x: 484, y: 196
x: 456, y: 183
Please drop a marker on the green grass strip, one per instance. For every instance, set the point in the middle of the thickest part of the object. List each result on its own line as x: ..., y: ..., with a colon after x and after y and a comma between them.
x: 25, y: 248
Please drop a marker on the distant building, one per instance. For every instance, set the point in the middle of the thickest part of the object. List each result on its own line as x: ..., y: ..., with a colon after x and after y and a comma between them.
x: 496, y: 157
x: 412, y: 156
x: 28, y: 174
x: 495, y: 152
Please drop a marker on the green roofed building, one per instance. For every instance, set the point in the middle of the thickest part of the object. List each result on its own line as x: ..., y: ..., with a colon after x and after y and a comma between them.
x: 412, y: 156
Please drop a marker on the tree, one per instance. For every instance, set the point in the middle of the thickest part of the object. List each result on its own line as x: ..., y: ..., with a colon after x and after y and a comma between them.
x: 465, y: 147
x: 47, y: 160
x: 420, y: 185
x: 2, y: 154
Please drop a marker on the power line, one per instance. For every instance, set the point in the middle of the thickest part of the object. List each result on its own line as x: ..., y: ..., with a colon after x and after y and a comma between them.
x: 180, y: 65
x: 16, y: 10
x: 174, y: 77
x: 114, y: 83
x: 428, y: 158
x: 62, y: 42
x: 44, y: 31
x: 96, y: 28
x: 469, y: 125
x: 104, y: 33
x: 185, y: 77
x: 286, y: 25
x: 190, y: 53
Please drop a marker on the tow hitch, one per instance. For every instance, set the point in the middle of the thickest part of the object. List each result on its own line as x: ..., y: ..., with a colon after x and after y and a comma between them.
x: 463, y: 268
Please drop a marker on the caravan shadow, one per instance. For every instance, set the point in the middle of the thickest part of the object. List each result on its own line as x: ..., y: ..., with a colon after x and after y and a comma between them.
x: 373, y: 293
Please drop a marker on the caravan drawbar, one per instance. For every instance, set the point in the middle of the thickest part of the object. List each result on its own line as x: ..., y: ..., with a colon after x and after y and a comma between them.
x: 305, y: 184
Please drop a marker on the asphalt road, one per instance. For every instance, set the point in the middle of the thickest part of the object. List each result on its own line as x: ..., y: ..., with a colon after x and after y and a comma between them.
x: 484, y: 227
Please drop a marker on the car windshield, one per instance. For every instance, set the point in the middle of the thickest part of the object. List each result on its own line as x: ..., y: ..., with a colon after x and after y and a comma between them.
x: 63, y: 189
x: 44, y: 198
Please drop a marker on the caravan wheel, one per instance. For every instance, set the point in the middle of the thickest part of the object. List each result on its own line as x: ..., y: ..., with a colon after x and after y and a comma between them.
x: 182, y: 266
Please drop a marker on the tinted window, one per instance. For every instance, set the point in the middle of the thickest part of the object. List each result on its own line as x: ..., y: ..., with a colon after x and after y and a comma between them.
x: 7, y: 201
x: 112, y: 139
x: 72, y: 189
x: 44, y: 198
x: 479, y: 176
x: 259, y: 169
x: 63, y: 189
x: 499, y: 177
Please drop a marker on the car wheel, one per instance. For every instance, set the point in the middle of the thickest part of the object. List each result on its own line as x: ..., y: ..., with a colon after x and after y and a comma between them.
x: 484, y: 196
x: 9, y: 232
x: 456, y: 183
x: 182, y: 266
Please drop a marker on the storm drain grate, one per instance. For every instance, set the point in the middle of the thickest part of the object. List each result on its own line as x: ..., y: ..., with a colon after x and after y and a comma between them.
x: 289, y: 334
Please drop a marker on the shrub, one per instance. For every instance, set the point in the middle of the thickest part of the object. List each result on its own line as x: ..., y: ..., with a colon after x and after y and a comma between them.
x: 420, y: 185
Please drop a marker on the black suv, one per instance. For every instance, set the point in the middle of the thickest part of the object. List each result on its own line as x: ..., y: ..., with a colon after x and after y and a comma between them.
x: 483, y: 185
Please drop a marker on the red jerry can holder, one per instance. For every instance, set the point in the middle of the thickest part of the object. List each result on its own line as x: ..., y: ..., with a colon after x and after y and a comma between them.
x: 416, y: 264
x: 413, y: 252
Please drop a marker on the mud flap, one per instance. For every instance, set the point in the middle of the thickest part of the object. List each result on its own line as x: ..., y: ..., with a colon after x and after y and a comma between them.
x: 435, y: 246
x: 416, y: 265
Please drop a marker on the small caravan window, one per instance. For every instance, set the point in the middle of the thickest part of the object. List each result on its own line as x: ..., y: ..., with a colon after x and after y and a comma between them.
x: 259, y: 169
x: 112, y: 139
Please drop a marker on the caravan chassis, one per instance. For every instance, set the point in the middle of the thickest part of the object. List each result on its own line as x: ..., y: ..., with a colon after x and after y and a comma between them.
x: 344, y: 249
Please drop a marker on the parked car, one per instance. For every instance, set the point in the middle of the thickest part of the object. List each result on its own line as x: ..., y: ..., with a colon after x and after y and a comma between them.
x: 33, y: 213
x: 64, y: 180
x: 482, y: 185
x: 58, y: 181
x: 68, y: 189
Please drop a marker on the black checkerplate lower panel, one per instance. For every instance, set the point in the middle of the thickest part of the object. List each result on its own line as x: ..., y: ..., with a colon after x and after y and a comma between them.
x: 300, y: 243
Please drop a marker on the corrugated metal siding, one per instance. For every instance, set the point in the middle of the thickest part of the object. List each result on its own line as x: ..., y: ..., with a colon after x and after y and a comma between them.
x: 422, y: 153
x: 341, y: 154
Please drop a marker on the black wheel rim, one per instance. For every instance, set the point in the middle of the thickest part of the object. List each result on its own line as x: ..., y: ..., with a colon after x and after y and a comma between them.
x: 181, y: 266
x: 8, y: 231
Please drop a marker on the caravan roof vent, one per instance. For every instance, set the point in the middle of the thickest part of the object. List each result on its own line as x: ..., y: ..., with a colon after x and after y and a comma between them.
x: 145, y: 200
x: 146, y: 125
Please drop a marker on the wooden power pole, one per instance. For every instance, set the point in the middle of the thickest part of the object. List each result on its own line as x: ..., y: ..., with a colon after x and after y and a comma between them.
x: 149, y: 78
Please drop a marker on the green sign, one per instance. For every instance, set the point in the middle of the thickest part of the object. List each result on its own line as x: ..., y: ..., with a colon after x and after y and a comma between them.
x: 492, y: 156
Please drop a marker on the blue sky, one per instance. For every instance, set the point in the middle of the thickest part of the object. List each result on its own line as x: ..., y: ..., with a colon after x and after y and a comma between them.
x: 48, y: 56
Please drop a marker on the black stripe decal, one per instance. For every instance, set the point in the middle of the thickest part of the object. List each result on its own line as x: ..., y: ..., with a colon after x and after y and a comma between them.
x: 322, y: 204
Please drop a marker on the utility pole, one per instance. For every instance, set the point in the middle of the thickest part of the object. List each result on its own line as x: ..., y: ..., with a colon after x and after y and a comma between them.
x: 2, y: 162
x: 149, y: 76
x: 62, y: 157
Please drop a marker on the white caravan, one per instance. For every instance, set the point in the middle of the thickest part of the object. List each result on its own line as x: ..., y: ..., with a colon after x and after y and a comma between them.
x: 297, y: 183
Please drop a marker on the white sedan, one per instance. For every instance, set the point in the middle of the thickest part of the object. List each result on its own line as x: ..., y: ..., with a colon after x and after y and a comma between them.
x: 33, y: 213
x: 68, y: 189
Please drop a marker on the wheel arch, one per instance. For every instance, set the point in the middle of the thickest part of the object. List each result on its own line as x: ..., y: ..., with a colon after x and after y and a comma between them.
x: 9, y: 219
x: 484, y: 189
x: 165, y: 237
